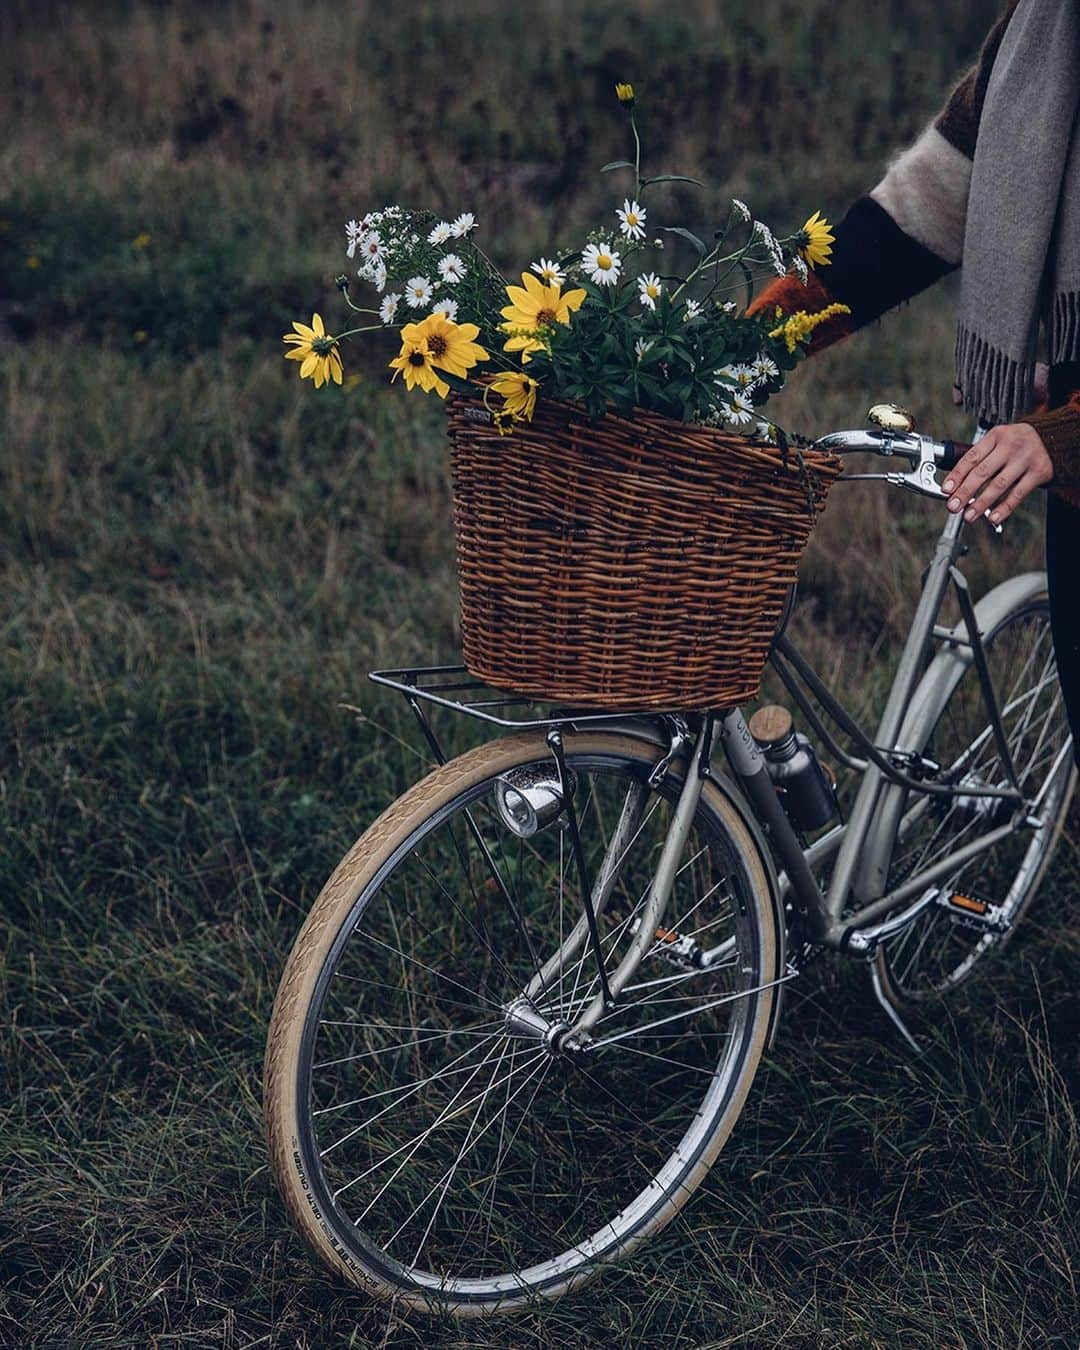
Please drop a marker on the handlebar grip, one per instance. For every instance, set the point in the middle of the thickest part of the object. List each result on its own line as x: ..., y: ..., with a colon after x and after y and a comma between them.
x: 952, y: 452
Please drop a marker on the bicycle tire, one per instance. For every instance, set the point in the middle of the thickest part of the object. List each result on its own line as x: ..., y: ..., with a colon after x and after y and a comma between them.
x: 335, y: 918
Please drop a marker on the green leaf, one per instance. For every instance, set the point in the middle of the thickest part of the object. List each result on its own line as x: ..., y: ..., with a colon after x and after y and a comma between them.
x: 671, y: 178
x: 688, y: 236
x: 619, y: 164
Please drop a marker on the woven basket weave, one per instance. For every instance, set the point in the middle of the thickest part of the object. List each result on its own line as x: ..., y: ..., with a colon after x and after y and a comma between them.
x: 634, y: 562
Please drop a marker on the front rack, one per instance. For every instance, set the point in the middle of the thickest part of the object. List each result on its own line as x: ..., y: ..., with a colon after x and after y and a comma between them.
x: 434, y: 684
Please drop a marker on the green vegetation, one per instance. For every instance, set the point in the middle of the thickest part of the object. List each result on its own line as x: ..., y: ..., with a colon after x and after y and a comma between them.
x: 201, y: 558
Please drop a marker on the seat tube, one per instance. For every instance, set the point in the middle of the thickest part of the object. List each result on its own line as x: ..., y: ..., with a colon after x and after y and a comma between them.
x: 908, y: 671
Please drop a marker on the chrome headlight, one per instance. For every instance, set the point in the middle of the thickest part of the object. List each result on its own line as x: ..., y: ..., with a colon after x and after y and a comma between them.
x: 529, y: 798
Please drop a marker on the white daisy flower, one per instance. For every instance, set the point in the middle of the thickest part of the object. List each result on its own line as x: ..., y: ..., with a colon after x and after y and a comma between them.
x: 374, y: 272
x: 741, y: 208
x: 728, y: 307
x: 441, y: 233
x: 801, y: 269
x: 693, y: 309
x: 739, y: 411
x: 389, y: 307
x: 371, y: 246
x: 632, y: 219
x: 726, y: 375
x: 763, y: 430
x: 418, y: 292
x: 354, y: 233
x: 744, y: 376
x: 601, y: 264
x: 551, y: 274
x: 641, y: 346
x: 649, y: 289
x: 463, y: 224
x: 447, y: 307
x: 451, y: 269
x: 765, y: 368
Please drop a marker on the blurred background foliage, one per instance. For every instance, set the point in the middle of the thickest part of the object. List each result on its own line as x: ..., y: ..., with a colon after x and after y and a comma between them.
x: 200, y: 558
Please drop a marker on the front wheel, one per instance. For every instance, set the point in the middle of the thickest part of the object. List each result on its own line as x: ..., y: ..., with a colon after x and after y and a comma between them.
x: 436, y: 1138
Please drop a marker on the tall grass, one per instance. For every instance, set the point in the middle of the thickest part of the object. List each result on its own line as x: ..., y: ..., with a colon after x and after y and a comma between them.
x: 200, y: 560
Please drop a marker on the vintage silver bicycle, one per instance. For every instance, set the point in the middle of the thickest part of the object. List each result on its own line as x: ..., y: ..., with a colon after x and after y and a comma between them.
x: 525, y: 1012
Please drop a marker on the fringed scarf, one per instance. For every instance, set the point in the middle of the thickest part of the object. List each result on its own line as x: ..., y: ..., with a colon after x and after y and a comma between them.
x: 1021, y: 262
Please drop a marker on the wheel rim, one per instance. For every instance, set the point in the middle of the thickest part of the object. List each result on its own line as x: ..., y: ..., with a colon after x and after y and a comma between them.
x: 465, y: 1158
x: 942, y: 948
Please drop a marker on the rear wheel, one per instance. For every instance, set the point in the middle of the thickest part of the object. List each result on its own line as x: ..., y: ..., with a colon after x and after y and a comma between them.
x: 433, y: 1135
x: 976, y: 909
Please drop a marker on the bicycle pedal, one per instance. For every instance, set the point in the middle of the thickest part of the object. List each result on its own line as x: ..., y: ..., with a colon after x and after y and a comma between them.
x: 680, y: 951
x: 968, y: 910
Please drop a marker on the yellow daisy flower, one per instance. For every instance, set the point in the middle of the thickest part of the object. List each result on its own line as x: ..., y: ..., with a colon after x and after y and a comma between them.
x: 518, y: 391
x: 316, y: 351
x: 415, y: 362
x: 817, y: 240
x: 534, y: 306
x: 451, y: 344
x: 624, y: 93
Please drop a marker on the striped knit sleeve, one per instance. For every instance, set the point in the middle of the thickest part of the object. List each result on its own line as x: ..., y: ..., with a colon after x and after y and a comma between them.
x: 908, y: 231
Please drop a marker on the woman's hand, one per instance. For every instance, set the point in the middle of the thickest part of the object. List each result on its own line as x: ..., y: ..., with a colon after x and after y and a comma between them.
x: 998, y: 472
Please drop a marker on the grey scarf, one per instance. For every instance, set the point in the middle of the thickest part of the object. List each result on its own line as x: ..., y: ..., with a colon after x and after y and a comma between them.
x: 1021, y: 259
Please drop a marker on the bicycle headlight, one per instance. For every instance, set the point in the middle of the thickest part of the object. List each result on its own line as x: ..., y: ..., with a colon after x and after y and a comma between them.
x: 529, y: 798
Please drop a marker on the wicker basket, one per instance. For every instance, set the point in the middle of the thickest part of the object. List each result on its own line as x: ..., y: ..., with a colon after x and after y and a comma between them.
x: 628, y: 563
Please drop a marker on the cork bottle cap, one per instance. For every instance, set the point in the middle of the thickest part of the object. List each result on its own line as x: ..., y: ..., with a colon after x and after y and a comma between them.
x: 771, y: 724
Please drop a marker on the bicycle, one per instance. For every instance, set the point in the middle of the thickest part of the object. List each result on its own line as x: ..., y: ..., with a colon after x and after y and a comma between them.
x: 485, y: 1066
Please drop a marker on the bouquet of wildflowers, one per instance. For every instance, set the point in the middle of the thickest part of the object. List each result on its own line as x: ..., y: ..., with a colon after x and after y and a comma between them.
x: 609, y: 324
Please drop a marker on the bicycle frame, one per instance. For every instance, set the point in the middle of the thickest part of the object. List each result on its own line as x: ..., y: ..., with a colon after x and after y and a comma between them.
x: 852, y: 914
x: 863, y: 846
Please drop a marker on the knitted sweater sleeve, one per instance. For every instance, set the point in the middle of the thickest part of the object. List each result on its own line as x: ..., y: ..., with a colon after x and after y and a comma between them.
x: 907, y: 233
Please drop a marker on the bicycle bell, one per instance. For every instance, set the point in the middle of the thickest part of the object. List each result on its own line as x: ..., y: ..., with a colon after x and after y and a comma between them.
x: 891, y: 417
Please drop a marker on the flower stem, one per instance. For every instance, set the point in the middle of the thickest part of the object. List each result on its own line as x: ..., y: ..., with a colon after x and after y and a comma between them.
x: 369, y: 328
x: 637, y: 154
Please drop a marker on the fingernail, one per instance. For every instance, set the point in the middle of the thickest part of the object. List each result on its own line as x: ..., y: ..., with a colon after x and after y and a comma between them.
x: 954, y: 504
x: 969, y: 514
x: 949, y: 484
x: 995, y: 516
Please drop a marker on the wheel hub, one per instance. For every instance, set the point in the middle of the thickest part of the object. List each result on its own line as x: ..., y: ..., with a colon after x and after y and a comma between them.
x: 523, y: 1019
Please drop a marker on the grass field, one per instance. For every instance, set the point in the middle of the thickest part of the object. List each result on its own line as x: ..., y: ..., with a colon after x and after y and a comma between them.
x: 200, y: 559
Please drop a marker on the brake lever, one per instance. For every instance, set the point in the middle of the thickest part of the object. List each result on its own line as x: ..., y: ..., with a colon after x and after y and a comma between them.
x: 922, y: 477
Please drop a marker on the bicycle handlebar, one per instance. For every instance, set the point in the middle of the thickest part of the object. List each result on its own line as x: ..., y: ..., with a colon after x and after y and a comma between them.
x: 924, y: 455
x: 945, y: 454
x: 952, y: 452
